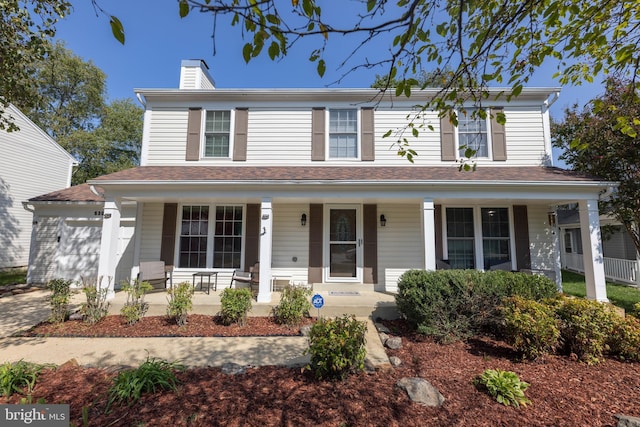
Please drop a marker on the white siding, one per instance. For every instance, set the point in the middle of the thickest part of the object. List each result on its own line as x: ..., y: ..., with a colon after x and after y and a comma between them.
x: 279, y: 137
x: 282, y: 136
x: 151, y: 231
x: 525, y: 136
x: 42, y: 267
x: 400, y: 242
x: 290, y: 239
x: 31, y: 164
x: 167, y: 137
x: 619, y: 245
x: 541, y: 239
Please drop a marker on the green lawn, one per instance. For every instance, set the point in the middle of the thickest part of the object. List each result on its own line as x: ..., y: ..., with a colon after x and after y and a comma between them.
x: 620, y: 295
x: 13, y: 276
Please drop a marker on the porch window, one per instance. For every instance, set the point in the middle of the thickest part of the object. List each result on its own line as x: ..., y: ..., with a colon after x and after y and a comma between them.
x: 217, y: 128
x: 194, y: 231
x: 495, y: 237
x: 472, y: 134
x: 568, y: 242
x: 225, y: 235
x: 343, y: 134
x: 227, y: 247
x: 460, y: 238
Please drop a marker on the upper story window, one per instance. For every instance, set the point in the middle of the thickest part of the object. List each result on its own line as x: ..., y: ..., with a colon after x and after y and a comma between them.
x: 472, y: 134
x: 343, y: 134
x: 216, y: 134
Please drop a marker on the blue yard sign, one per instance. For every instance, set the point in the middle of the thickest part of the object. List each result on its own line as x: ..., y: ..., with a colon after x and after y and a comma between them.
x: 317, y: 301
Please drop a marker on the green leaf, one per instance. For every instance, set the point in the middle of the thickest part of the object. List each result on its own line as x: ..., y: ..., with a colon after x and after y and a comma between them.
x: 274, y: 50
x: 322, y: 67
x: 184, y: 8
x: 247, y: 50
x: 117, y: 29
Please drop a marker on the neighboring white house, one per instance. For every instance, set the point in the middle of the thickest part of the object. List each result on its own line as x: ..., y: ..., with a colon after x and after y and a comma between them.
x: 304, y: 182
x: 31, y: 163
x: 620, y: 258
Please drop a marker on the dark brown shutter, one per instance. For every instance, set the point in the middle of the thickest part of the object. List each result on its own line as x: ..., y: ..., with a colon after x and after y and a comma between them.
x: 521, y: 237
x: 252, y: 238
x: 447, y: 140
x: 498, y: 138
x: 168, y: 241
x: 437, y: 223
x: 317, y: 134
x: 194, y: 126
x: 315, y: 243
x: 240, y: 134
x: 370, y: 227
x: 368, y: 150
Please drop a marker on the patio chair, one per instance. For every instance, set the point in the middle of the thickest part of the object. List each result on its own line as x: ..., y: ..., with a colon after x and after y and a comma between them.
x: 252, y: 277
x: 157, y: 274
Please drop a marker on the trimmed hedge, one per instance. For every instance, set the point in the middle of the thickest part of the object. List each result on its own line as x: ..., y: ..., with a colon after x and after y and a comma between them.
x: 454, y: 304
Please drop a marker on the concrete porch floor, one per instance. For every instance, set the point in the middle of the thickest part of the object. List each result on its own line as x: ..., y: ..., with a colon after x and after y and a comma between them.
x: 338, y: 300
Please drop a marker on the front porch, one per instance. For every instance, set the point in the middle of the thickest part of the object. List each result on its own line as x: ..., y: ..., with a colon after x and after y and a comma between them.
x: 359, y: 300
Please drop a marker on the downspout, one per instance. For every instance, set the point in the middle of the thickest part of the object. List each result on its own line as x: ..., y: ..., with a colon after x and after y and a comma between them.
x: 606, y: 194
x: 95, y: 191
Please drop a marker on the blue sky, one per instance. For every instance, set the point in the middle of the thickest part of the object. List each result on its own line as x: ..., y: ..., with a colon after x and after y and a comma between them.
x: 157, y: 39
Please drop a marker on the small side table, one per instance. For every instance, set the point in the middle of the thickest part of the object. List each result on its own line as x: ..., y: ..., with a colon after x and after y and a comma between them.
x: 207, y: 274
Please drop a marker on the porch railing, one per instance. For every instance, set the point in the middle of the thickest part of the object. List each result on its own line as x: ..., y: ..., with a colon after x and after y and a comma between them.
x: 615, y: 269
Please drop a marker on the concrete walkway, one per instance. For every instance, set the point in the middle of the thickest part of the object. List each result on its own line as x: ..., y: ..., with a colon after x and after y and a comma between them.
x: 23, y: 311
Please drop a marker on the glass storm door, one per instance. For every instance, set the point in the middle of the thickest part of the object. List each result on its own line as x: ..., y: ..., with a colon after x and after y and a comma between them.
x: 344, y: 245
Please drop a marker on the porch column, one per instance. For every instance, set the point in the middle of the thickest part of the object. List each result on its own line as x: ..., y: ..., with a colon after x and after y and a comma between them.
x: 109, y: 245
x: 266, y: 240
x: 592, y: 250
x: 428, y: 216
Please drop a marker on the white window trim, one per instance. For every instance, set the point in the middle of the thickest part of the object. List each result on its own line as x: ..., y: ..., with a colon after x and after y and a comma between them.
x: 327, y: 142
x: 477, y: 233
x: 489, y: 157
x: 203, y: 136
x: 210, y: 237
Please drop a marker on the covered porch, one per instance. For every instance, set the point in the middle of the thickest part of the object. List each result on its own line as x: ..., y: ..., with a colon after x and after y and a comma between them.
x: 347, y: 227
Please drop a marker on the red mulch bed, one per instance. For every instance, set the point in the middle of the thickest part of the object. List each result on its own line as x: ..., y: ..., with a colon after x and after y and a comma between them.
x: 198, y: 325
x: 563, y: 393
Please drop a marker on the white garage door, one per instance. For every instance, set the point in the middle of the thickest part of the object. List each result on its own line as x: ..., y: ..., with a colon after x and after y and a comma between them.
x: 79, y: 250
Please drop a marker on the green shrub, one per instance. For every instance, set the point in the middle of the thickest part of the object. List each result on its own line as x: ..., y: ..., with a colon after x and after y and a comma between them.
x: 59, y: 299
x: 235, y: 304
x: 455, y: 304
x: 636, y: 309
x: 96, y: 307
x: 294, y: 305
x: 624, y: 340
x: 152, y: 375
x: 180, y: 302
x: 337, y: 347
x: 504, y: 386
x: 135, y: 308
x: 585, y: 328
x: 531, y: 327
x: 14, y: 377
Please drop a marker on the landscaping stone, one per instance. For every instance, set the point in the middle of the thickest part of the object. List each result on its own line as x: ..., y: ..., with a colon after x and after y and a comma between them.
x: 627, y: 421
x: 305, y: 330
x: 76, y: 316
x: 383, y: 337
x: 381, y: 328
x: 395, y: 361
x: 71, y: 363
x: 393, y: 343
x: 421, y: 391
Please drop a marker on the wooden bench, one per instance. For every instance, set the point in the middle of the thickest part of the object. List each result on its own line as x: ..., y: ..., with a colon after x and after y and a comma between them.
x: 252, y: 277
x: 156, y: 273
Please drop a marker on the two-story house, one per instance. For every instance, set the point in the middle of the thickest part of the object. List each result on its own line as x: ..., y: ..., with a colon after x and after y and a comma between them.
x: 304, y: 182
x: 31, y: 163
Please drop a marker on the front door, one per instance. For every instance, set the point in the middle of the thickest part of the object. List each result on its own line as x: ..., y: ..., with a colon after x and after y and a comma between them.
x: 344, y: 246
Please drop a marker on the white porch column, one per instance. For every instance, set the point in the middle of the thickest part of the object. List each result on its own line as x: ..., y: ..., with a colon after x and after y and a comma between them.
x: 428, y: 216
x: 592, y: 250
x: 109, y: 245
x: 266, y: 241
